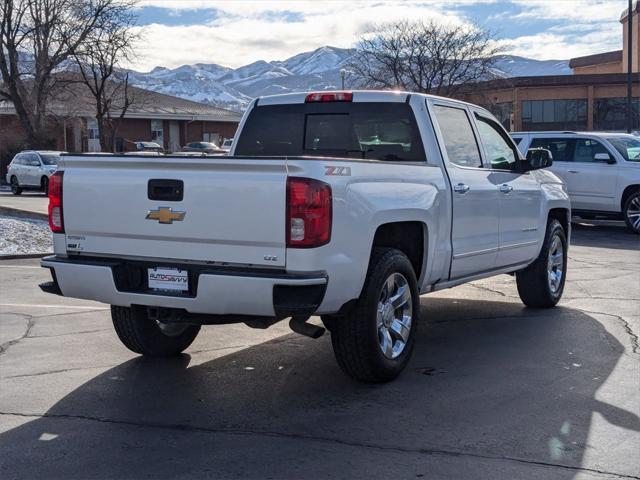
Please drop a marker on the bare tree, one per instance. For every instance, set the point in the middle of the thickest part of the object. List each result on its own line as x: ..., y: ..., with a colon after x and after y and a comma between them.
x: 425, y: 57
x: 36, y: 38
x: 99, y: 60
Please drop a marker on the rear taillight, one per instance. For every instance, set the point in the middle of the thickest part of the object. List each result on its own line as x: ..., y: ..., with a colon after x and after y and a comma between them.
x: 329, y: 97
x: 308, y: 213
x: 56, y: 220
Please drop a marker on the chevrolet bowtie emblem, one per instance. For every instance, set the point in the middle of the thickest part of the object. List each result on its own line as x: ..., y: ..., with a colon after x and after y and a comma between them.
x: 165, y: 215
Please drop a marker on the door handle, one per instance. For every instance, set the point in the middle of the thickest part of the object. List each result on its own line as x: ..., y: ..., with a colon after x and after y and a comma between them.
x: 573, y: 171
x: 461, y: 188
x: 504, y: 188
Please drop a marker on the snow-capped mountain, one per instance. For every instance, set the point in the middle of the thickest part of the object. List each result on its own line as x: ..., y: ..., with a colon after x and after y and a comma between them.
x: 315, y: 70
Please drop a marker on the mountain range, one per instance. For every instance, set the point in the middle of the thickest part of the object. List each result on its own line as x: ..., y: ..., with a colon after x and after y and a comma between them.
x: 316, y: 70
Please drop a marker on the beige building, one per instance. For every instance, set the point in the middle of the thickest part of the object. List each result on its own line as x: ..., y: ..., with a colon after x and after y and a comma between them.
x: 592, y: 98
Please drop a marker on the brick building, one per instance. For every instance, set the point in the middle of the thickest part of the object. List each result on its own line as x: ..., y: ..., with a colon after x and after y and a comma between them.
x: 593, y: 98
x: 170, y: 121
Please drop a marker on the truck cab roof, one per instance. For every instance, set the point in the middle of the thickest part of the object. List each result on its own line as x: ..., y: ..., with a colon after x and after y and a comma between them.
x: 396, y: 96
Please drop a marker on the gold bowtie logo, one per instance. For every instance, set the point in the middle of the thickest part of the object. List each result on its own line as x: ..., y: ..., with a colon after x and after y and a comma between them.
x: 165, y: 215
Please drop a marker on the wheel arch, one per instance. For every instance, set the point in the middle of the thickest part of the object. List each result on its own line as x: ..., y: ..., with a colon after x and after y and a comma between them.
x: 563, y: 215
x: 627, y: 192
x: 410, y: 237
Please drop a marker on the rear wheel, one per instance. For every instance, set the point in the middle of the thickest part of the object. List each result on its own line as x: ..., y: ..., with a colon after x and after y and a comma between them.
x: 15, y: 186
x: 145, y: 336
x: 631, y: 212
x: 44, y: 185
x: 374, y: 342
x: 541, y: 284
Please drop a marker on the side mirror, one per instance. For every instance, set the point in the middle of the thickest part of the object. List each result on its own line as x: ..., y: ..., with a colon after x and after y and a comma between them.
x: 538, y: 158
x: 604, y: 157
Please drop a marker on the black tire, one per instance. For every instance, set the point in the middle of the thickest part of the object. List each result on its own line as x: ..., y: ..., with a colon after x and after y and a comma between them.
x: 15, y: 186
x: 533, y: 282
x: 44, y: 185
x: 631, y: 206
x: 142, y: 335
x: 355, y: 340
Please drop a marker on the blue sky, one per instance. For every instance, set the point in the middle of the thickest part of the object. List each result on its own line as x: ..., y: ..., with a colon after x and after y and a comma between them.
x: 238, y: 32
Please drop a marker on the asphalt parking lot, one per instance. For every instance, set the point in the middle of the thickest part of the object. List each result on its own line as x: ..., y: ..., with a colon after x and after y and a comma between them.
x: 494, y: 390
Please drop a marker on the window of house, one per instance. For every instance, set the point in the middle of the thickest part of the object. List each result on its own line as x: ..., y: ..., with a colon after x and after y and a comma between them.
x: 611, y: 113
x: 157, y: 134
x: 502, y: 111
x: 554, y: 114
x: 499, y: 151
x: 93, y: 133
x: 459, y: 140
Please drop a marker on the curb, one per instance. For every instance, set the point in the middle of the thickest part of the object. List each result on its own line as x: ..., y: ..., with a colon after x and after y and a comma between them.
x: 23, y: 213
x: 19, y: 256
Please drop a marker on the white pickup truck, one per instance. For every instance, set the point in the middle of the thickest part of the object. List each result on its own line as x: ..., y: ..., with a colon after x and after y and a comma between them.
x: 347, y: 205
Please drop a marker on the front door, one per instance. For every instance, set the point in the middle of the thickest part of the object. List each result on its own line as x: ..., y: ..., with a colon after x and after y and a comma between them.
x: 520, y: 196
x: 475, y: 228
x: 174, y: 136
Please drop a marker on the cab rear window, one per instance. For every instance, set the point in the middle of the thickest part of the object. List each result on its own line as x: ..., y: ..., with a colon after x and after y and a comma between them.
x: 378, y: 131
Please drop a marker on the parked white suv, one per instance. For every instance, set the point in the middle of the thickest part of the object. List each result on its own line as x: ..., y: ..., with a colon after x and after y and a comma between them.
x: 30, y: 170
x: 601, y: 170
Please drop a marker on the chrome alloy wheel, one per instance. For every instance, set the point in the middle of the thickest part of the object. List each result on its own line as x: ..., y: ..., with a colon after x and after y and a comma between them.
x: 633, y: 213
x: 172, y: 329
x: 394, y: 314
x: 555, y: 264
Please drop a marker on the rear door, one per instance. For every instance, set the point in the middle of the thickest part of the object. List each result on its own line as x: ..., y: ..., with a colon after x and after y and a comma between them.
x: 520, y: 196
x: 32, y: 169
x: 475, y: 223
x: 227, y: 211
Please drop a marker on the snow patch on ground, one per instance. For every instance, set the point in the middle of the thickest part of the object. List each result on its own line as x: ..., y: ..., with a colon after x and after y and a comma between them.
x: 20, y: 235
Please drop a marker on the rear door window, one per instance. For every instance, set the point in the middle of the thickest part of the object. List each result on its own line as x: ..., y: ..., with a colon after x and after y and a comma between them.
x: 379, y: 131
x: 459, y: 140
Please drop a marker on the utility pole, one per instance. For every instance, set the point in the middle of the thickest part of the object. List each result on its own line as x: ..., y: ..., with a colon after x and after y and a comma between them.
x: 629, y: 62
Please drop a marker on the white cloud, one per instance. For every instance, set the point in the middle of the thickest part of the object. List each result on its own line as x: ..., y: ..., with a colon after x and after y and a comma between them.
x: 244, y: 31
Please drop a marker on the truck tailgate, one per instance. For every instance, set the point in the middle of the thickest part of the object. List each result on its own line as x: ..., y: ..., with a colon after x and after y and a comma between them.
x: 234, y: 209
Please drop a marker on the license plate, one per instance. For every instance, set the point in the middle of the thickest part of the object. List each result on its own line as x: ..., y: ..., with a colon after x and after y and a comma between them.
x: 172, y: 279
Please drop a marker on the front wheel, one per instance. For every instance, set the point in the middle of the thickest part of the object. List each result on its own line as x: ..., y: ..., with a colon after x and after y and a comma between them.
x: 44, y: 185
x: 631, y: 212
x: 374, y: 342
x: 541, y: 284
x: 146, y: 336
x: 15, y: 186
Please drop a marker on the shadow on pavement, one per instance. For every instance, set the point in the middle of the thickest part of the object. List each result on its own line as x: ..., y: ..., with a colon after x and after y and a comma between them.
x: 489, y: 379
x: 607, y: 234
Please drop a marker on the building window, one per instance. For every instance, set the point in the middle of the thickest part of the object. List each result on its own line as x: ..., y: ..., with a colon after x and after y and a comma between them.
x: 92, y: 129
x: 157, y: 134
x: 611, y: 113
x: 554, y: 114
x: 502, y: 111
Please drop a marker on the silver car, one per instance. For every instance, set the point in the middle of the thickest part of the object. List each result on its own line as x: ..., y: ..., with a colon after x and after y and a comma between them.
x: 30, y: 170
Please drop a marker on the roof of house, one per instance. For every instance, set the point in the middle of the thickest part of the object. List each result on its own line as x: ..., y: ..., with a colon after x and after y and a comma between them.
x: 154, y: 103
x: 75, y: 100
x: 596, y: 59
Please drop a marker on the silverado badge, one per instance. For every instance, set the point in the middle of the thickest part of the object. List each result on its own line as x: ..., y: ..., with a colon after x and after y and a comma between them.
x: 165, y: 215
